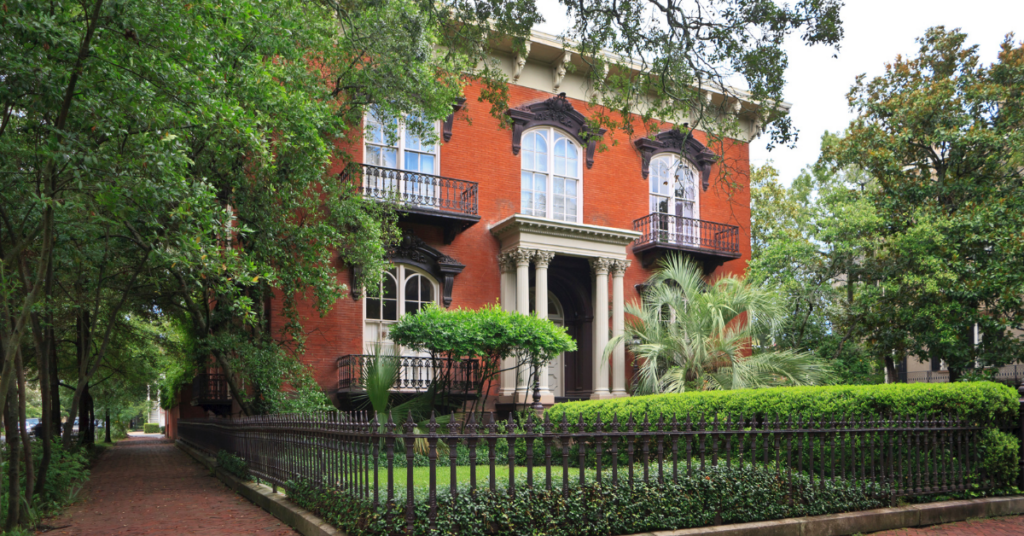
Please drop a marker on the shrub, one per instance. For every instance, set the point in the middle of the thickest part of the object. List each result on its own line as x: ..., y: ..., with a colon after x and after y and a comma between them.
x: 990, y: 405
x: 233, y: 464
x: 718, y: 494
x: 151, y: 428
x: 67, y: 473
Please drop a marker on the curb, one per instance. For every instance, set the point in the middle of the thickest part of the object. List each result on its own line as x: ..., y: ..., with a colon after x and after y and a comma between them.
x: 917, y: 515
x: 263, y: 496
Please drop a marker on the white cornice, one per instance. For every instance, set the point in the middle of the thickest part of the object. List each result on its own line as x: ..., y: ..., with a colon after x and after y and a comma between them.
x: 522, y: 223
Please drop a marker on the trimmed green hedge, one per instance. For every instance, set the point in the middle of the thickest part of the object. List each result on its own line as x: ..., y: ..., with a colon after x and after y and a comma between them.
x: 719, y: 494
x: 151, y: 428
x: 984, y: 403
x: 990, y: 405
x: 233, y: 464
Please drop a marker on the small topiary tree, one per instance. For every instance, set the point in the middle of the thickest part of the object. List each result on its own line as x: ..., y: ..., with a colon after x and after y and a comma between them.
x: 489, y: 335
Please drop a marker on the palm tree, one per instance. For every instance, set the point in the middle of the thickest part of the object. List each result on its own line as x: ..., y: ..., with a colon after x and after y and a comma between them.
x: 691, y: 334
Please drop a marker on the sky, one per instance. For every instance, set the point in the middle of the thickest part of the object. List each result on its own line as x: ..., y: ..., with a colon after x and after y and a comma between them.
x: 876, y: 32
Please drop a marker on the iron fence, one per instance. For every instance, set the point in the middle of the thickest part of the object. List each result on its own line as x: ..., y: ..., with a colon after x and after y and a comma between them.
x: 689, y: 232
x: 355, y: 454
x: 1013, y: 377
x: 412, y: 189
x: 414, y: 373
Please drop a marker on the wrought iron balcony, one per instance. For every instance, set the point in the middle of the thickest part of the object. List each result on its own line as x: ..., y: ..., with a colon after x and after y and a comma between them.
x: 415, y: 374
x: 710, y: 242
x: 421, y: 198
x: 211, y: 391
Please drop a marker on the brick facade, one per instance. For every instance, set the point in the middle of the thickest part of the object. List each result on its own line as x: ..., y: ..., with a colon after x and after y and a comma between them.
x: 614, y: 195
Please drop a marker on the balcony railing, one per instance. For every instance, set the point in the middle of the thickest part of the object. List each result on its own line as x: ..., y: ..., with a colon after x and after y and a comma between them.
x: 417, y: 191
x: 688, y: 233
x: 414, y: 373
x: 210, y: 389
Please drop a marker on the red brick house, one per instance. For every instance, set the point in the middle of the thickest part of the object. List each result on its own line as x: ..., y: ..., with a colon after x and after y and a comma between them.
x: 537, y: 218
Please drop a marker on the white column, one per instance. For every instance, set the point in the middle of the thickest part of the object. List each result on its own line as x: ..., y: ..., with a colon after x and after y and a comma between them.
x: 541, y: 260
x: 507, y: 265
x: 600, y: 267
x: 618, y: 326
x: 522, y: 258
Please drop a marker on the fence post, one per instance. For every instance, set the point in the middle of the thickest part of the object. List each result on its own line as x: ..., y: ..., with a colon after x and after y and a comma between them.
x: 1020, y: 435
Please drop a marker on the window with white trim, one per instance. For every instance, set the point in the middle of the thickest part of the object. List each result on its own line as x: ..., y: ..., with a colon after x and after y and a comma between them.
x: 552, y: 171
x: 674, y: 197
x: 396, y: 147
x: 403, y: 289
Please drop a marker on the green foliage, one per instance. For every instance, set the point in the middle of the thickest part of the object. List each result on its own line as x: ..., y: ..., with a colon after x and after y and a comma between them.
x: 692, y: 334
x: 233, y: 465
x: 1000, y: 453
x: 939, y: 133
x: 808, y: 241
x: 151, y: 428
x: 68, y: 471
x: 735, y: 495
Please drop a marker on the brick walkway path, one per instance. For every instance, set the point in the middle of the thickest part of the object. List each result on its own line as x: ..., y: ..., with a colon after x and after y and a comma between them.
x: 1001, y: 526
x: 148, y: 486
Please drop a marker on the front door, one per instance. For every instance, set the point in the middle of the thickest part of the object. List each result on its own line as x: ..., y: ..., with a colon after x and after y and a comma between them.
x: 556, y: 368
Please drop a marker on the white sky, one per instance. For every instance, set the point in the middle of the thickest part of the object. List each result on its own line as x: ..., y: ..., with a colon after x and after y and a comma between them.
x: 875, y: 32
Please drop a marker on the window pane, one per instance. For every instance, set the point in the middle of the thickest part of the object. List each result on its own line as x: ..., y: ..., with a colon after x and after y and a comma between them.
x: 570, y: 188
x: 412, y: 307
x: 570, y: 210
x: 390, y: 290
x: 390, y: 310
x: 412, y: 288
x: 426, y: 290
x: 527, y: 203
x: 373, y: 309
x: 540, y: 183
x: 526, y: 180
x: 542, y: 205
x: 559, y: 185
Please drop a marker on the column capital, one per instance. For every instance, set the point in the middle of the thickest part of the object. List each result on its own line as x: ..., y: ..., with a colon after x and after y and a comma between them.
x: 600, y: 265
x: 522, y: 256
x: 619, y: 267
x: 506, y: 262
x: 543, y: 258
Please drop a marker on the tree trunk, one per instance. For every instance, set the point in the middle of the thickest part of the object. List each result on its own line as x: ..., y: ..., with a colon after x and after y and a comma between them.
x: 54, y: 384
x: 85, y: 433
x: 106, y: 428
x: 13, y: 479
x: 25, y: 441
x: 890, y: 368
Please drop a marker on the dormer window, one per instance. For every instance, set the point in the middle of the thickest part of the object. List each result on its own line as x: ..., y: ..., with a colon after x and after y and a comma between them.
x: 552, y: 169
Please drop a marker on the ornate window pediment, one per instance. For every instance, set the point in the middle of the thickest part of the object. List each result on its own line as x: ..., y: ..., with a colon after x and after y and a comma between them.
x: 677, y: 142
x: 555, y: 112
x: 415, y: 252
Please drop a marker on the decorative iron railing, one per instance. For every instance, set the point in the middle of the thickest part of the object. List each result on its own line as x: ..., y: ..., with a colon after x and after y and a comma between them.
x: 414, y: 373
x: 1014, y: 376
x: 416, y: 190
x: 210, y: 389
x: 355, y: 454
x: 688, y: 232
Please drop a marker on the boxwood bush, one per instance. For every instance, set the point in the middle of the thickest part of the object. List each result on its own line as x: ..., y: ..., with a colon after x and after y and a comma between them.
x: 151, y: 428
x: 233, y: 464
x: 717, y: 495
x: 986, y: 404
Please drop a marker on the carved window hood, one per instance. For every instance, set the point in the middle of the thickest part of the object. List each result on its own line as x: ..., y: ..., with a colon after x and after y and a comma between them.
x: 555, y: 112
x: 679, y: 143
x: 413, y: 251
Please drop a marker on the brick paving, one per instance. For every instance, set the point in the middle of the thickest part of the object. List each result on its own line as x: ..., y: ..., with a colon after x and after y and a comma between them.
x: 1000, y: 526
x: 147, y: 486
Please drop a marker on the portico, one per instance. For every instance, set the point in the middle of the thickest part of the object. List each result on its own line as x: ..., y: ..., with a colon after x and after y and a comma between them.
x: 528, y: 241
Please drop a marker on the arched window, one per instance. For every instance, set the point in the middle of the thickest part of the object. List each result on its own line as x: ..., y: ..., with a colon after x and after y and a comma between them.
x: 403, y: 289
x: 551, y: 175
x: 674, y: 198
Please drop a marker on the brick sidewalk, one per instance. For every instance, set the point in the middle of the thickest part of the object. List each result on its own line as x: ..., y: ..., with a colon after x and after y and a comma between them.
x: 1002, y: 526
x: 148, y: 486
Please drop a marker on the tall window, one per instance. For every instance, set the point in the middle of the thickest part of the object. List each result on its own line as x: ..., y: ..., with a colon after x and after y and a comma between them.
x: 403, y: 290
x: 395, y: 147
x: 551, y: 173
x: 673, y: 184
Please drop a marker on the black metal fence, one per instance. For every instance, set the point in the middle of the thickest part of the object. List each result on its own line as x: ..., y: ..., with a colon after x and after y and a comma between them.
x: 360, y: 456
x: 414, y: 373
x: 416, y: 190
x: 688, y: 232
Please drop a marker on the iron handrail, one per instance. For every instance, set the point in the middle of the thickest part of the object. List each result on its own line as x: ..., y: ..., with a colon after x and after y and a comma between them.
x: 416, y: 190
x: 691, y: 232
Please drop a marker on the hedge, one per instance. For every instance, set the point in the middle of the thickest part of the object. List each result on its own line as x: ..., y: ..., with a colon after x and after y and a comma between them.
x: 233, y: 465
x: 986, y: 404
x: 151, y: 428
x: 717, y: 495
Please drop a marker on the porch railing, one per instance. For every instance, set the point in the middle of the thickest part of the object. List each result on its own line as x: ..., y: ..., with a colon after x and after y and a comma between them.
x: 356, y: 455
x: 416, y: 190
x: 414, y: 373
x: 688, y: 232
x: 210, y: 389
